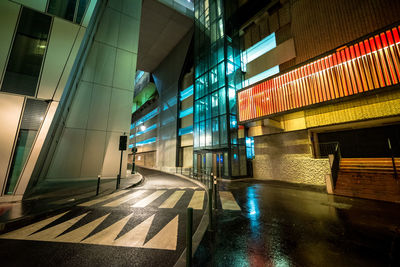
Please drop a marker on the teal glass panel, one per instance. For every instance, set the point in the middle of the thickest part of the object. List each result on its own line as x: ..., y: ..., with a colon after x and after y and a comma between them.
x: 232, y: 100
x: 215, y: 131
x: 221, y: 74
x: 32, y: 118
x: 22, y: 149
x: 201, y: 109
x: 196, y: 135
x: 198, y: 88
x: 207, y: 106
x: 213, y: 78
x: 81, y: 10
x: 220, y: 52
x: 222, y: 101
x: 63, y: 9
x: 214, y: 104
x: 208, y: 133
x: 223, y: 133
x: 196, y: 117
x: 202, y: 134
x: 233, y: 122
x: 213, y: 54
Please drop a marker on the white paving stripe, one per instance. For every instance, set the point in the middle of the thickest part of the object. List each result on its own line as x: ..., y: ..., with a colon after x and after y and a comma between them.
x: 80, y: 233
x: 167, y: 238
x: 136, y: 236
x: 51, y: 233
x: 107, y: 235
x: 98, y: 200
x: 228, y: 201
x: 147, y: 200
x: 24, y: 232
x: 124, y: 199
x: 197, y: 200
x: 172, y: 200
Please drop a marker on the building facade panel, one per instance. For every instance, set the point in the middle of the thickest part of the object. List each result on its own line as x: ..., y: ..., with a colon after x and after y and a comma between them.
x: 62, y: 37
x: 10, y: 114
x: 8, y: 20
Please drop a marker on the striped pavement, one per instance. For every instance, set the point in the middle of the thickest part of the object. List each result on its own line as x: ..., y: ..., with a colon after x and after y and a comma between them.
x: 90, y: 227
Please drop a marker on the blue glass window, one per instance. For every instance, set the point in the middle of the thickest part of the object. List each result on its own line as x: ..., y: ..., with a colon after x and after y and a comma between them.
x: 186, y: 93
x: 186, y: 130
x: 186, y: 112
x: 146, y: 142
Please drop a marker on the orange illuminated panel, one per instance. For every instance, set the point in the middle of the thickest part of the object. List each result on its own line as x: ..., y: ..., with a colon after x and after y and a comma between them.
x: 367, y: 65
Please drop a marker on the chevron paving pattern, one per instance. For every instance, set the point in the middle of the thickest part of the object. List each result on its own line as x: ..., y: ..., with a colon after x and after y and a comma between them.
x: 84, y: 225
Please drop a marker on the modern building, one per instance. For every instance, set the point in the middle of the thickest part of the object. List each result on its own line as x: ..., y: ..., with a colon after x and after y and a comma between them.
x: 300, y: 91
x: 66, y: 88
x: 278, y: 86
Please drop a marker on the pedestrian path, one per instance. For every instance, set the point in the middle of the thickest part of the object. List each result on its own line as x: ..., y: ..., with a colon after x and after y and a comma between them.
x: 165, y: 239
x: 143, y: 198
x: 91, y: 222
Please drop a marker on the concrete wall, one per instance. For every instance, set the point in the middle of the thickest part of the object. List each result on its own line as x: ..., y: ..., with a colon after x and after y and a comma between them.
x: 166, y: 77
x: 101, y: 109
x: 287, y: 157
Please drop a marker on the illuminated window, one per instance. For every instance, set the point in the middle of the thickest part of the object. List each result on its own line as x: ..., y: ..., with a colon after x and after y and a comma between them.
x: 260, y: 48
x: 186, y: 93
x: 186, y: 112
x: 146, y: 117
x: 186, y: 130
x: 148, y: 129
x: 146, y: 142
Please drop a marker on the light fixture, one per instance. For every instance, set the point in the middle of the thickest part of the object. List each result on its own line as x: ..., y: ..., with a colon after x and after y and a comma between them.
x: 142, y: 127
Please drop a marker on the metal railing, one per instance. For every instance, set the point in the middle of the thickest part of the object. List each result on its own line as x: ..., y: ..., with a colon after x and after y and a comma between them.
x: 326, y: 149
x: 336, y: 164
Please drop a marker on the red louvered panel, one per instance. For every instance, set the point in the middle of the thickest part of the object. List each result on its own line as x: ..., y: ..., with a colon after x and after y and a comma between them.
x: 366, y: 65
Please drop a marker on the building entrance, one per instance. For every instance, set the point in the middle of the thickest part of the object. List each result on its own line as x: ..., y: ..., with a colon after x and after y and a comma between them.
x: 215, y: 163
x: 218, y: 163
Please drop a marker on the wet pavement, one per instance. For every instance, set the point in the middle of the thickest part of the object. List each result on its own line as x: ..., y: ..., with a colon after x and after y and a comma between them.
x: 289, y: 226
x: 140, y: 226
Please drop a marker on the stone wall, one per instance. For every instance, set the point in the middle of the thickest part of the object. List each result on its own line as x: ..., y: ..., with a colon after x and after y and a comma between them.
x: 287, y: 157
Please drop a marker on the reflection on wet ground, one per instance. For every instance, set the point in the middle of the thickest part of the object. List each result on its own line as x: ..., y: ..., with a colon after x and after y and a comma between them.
x: 282, y: 226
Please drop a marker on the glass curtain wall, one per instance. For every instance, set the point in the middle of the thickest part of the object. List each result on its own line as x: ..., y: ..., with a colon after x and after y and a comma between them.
x: 218, y: 76
x: 32, y: 118
x: 26, y: 58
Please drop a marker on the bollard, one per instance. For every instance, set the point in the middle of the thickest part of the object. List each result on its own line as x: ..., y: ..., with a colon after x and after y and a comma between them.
x: 210, y: 211
x: 215, y: 193
x: 118, y: 181
x: 189, y: 230
x: 98, y: 185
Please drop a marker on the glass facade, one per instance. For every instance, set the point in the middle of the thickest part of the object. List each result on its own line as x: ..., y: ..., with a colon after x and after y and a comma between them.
x: 26, y: 58
x: 32, y: 119
x: 218, y: 75
x: 72, y: 10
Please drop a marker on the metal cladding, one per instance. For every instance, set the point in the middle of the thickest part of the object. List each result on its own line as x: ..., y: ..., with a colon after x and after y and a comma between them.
x: 364, y: 66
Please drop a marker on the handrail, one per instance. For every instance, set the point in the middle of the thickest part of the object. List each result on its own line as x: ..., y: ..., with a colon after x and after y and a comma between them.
x: 335, y: 165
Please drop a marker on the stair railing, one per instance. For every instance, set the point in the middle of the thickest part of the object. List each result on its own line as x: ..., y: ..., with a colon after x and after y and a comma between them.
x: 336, y: 164
x: 396, y: 176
